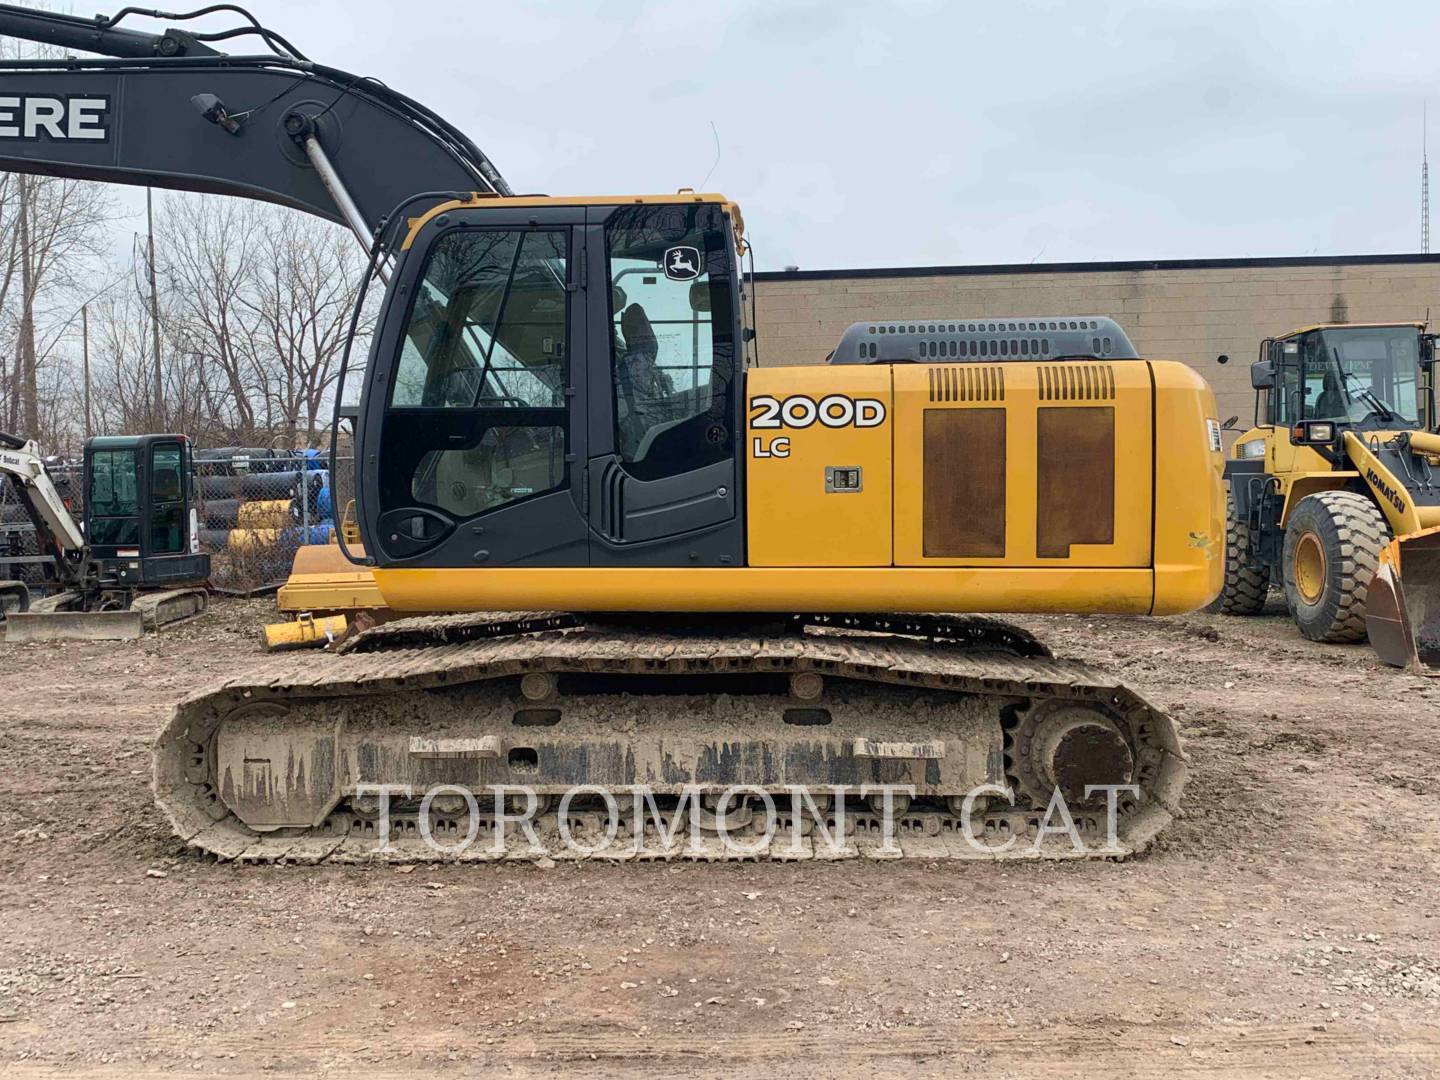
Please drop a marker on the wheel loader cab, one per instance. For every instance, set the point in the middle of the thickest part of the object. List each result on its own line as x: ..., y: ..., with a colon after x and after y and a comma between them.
x: 558, y: 386
x: 140, y: 518
x: 1364, y: 377
x: 1368, y: 379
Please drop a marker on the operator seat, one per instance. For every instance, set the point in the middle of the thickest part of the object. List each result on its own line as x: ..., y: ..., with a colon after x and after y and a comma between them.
x: 165, y: 486
x: 640, y: 341
x: 1331, y: 403
x: 644, y: 390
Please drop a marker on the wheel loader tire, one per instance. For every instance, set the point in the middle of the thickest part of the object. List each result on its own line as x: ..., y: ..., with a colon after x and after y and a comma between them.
x: 1332, y: 548
x: 1246, y: 586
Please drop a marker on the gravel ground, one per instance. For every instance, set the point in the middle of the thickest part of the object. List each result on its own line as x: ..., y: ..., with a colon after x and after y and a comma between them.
x: 1285, y: 926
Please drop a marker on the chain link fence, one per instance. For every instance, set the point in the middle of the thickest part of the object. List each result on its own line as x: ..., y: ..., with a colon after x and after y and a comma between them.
x: 258, y: 507
x: 255, y: 508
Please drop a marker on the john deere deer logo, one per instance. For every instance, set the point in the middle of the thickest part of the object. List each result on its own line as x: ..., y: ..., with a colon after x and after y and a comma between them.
x: 682, y: 263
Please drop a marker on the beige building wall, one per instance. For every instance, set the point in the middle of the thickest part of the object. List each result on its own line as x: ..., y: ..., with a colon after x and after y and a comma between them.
x: 1191, y: 312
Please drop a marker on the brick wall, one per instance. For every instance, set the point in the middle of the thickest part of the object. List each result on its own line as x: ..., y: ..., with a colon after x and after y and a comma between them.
x: 1188, y: 311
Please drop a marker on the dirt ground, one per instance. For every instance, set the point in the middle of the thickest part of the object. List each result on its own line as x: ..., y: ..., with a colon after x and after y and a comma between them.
x: 1287, y: 925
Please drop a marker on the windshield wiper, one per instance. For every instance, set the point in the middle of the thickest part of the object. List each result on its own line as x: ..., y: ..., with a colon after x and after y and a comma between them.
x: 1376, y: 403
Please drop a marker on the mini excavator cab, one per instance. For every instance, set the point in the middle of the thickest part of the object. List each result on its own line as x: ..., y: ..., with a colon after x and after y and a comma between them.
x: 140, y: 516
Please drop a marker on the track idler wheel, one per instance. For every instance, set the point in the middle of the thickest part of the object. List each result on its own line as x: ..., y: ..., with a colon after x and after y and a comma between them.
x: 1070, y: 747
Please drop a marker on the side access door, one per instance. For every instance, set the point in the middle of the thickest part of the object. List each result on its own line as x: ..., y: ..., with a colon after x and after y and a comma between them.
x: 664, y: 378
x: 481, y: 420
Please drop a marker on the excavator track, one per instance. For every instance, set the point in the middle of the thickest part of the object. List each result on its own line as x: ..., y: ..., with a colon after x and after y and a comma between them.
x: 266, y: 767
x: 159, y: 609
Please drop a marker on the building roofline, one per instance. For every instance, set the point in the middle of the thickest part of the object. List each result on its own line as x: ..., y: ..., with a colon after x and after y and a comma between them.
x: 983, y: 269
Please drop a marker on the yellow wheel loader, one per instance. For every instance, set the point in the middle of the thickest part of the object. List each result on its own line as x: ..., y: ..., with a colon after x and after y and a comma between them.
x: 673, y: 569
x: 1334, y: 493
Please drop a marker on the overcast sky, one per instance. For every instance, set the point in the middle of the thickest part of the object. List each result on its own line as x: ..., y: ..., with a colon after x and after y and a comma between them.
x: 917, y: 132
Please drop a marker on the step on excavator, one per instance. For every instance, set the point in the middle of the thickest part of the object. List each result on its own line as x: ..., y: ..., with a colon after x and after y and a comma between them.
x: 1334, y: 492
x: 134, y: 564
x: 662, y: 562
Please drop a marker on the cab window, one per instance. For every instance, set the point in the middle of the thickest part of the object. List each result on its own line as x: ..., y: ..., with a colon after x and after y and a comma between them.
x: 488, y: 324
x: 167, y: 495
x: 477, y: 415
x: 672, y: 337
x: 1285, y: 395
x: 1358, y: 374
x: 113, y: 501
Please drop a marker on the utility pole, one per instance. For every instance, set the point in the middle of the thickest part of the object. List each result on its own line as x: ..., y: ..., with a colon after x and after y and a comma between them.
x: 85, y: 360
x: 154, y: 308
x: 25, y: 365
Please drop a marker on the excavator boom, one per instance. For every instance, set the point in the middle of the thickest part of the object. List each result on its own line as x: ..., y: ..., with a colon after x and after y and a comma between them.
x: 21, y: 461
x: 169, y: 111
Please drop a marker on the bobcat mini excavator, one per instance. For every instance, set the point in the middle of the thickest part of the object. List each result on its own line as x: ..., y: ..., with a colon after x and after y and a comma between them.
x: 666, y: 565
x: 135, y: 565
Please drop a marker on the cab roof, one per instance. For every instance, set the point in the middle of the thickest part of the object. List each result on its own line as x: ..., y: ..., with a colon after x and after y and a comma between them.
x: 486, y: 199
x: 129, y: 442
x: 1350, y: 326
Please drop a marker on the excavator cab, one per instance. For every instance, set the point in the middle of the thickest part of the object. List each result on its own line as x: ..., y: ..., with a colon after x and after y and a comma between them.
x: 569, y: 374
x: 140, y: 516
x: 125, y: 567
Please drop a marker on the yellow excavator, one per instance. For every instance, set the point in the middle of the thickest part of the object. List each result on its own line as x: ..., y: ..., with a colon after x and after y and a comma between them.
x: 1335, y: 490
x: 665, y: 560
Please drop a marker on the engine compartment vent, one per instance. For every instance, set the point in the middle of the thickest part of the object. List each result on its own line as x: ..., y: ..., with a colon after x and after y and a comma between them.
x: 1076, y: 382
x: 1032, y: 338
x: 967, y: 383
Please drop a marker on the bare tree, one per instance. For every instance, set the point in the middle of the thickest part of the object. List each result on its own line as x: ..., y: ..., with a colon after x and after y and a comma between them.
x: 120, y: 359
x: 303, y: 293
x: 207, y: 248
x: 254, y: 307
x: 258, y: 302
x: 55, y: 232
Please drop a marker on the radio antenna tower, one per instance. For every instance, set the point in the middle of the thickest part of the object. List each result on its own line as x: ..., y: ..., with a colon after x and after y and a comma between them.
x: 1424, y: 181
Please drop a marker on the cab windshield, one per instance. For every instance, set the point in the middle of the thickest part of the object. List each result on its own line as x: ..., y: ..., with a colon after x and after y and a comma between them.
x: 114, y: 497
x: 487, y: 329
x: 1359, y: 375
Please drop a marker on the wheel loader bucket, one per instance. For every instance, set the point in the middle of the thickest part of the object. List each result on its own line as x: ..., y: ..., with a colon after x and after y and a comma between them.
x: 1402, y: 607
